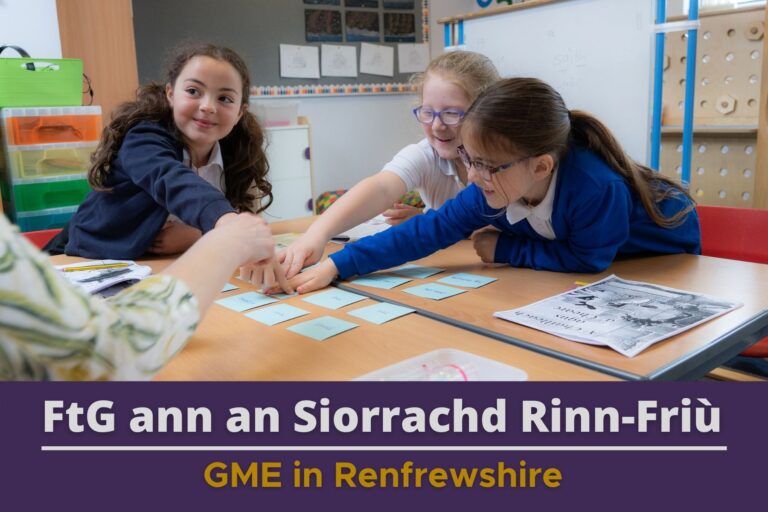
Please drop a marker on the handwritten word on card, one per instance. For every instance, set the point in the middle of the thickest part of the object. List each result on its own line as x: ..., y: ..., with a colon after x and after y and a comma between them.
x: 322, y: 328
x: 433, y: 291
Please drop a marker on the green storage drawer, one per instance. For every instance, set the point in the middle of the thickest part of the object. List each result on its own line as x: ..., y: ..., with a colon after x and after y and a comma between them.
x: 29, y: 195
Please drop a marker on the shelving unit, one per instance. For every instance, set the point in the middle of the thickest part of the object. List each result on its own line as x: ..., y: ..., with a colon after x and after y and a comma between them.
x: 728, y: 166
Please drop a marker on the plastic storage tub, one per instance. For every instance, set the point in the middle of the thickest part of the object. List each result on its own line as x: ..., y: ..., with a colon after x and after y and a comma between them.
x: 49, y: 159
x: 277, y: 112
x: 48, y: 193
x: 44, y: 219
x: 48, y: 125
x: 447, y: 364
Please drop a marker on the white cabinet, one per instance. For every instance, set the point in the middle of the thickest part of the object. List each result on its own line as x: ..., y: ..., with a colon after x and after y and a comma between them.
x: 290, y: 172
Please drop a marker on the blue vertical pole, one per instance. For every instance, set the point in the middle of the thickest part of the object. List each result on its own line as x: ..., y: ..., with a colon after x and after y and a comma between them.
x: 461, y: 32
x: 447, y: 35
x: 690, y: 85
x: 658, y: 79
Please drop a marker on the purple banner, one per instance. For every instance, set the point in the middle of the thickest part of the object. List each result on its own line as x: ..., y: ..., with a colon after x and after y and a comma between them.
x: 425, y: 446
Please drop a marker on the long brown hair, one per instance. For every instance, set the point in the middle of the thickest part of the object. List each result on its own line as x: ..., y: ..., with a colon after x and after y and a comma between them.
x: 528, y: 117
x: 242, y: 150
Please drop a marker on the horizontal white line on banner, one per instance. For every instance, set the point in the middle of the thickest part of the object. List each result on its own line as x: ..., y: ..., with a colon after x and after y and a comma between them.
x: 55, y: 448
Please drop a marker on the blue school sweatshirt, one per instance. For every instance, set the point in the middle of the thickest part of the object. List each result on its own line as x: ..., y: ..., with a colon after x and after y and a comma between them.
x: 148, y: 182
x: 595, y: 217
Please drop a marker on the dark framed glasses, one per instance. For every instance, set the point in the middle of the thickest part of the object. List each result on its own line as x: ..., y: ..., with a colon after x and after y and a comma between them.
x: 450, y: 116
x: 485, y: 171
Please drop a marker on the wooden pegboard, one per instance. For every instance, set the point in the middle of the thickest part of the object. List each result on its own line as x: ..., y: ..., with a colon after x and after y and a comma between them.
x: 728, y: 69
x: 722, y: 167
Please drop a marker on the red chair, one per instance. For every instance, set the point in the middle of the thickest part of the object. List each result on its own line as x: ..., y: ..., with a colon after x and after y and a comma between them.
x: 40, y: 238
x: 736, y: 234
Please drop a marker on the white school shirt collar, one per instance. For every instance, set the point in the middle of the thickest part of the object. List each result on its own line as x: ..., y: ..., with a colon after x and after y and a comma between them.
x: 448, y: 168
x: 212, y: 171
x: 539, y: 216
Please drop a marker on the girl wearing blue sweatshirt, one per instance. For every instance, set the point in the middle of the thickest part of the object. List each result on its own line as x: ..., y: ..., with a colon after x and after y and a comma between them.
x: 555, y: 183
x: 179, y: 160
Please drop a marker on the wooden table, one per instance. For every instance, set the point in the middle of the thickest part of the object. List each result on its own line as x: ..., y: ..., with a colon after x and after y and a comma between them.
x: 688, y: 355
x: 230, y: 346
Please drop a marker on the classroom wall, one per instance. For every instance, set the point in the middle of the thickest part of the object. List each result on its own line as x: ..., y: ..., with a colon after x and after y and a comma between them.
x: 31, y: 24
x: 352, y: 137
x: 440, y: 9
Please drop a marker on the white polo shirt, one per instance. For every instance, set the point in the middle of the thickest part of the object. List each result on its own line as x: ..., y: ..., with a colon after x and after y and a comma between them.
x: 422, y: 169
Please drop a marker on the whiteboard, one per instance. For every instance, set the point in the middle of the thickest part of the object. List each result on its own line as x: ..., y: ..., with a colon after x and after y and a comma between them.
x: 597, y: 54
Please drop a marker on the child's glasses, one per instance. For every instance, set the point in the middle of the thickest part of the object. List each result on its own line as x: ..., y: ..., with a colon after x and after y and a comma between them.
x: 485, y: 171
x: 449, y: 117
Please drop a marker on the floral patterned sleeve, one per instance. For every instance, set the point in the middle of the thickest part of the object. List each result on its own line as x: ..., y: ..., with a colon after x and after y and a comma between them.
x: 51, y: 330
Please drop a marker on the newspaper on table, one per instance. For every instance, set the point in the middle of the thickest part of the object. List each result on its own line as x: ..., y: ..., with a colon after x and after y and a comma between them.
x: 368, y: 228
x: 628, y: 316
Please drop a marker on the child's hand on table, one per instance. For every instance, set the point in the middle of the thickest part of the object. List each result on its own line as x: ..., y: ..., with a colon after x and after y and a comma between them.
x: 317, y: 277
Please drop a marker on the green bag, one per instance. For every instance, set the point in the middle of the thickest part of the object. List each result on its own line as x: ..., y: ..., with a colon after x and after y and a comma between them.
x: 28, y: 82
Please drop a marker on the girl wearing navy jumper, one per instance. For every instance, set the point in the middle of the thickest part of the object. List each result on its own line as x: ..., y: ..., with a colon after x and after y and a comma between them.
x: 158, y: 174
x: 557, y: 185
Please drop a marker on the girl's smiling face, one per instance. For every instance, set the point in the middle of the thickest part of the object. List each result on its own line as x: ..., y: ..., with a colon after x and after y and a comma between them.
x: 438, y: 94
x: 527, y: 177
x: 207, y: 103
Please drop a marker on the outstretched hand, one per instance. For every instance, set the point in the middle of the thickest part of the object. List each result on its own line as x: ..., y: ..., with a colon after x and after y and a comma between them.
x: 306, y: 250
x: 399, y: 213
x: 314, y: 278
x: 254, y: 248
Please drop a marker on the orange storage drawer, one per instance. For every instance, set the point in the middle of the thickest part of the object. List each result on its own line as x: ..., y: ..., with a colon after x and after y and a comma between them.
x: 51, y: 125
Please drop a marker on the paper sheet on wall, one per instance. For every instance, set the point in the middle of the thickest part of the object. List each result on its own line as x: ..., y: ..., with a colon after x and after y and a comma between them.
x: 299, y: 61
x: 376, y: 59
x: 338, y: 60
x: 412, y: 57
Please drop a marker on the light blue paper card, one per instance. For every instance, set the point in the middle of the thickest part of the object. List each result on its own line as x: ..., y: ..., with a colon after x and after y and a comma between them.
x: 229, y: 287
x: 383, y: 281
x: 416, y: 271
x: 322, y: 328
x: 381, y: 312
x: 276, y: 314
x: 245, y: 301
x: 334, y: 299
x: 283, y: 296
x: 467, y: 280
x: 433, y: 291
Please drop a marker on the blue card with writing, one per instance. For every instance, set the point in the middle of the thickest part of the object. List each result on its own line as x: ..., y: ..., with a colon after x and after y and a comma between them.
x: 281, y: 296
x: 381, y: 312
x: 322, y: 328
x: 276, y: 314
x: 334, y: 298
x: 416, y: 271
x: 467, y: 280
x: 433, y: 291
x: 229, y: 287
x: 383, y: 281
x: 245, y: 301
